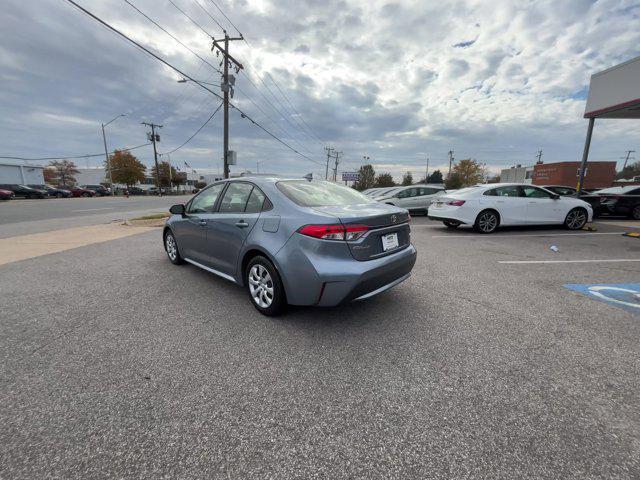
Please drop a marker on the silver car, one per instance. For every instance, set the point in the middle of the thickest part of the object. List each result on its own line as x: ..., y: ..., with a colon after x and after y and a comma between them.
x: 415, y: 198
x: 295, y: 241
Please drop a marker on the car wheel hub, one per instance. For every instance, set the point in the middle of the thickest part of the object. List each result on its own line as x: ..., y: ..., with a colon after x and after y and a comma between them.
x: 172, y: 251
x: 261, y: 286
x: 488, y: 222
x: 576, y: 219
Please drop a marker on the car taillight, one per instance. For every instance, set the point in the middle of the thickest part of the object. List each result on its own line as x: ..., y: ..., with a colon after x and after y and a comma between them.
x: 456, y: 203
x: 334, y: 232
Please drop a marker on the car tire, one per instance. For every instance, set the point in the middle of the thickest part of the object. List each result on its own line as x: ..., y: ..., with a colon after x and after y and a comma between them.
x: 265, y: 287
x: 59, y: 195
x: 576, y: 219
x: 171, y: 247
x: 487, y: 221
x: 450, y: 224
x: 86, y: 194
x: 635, y: 213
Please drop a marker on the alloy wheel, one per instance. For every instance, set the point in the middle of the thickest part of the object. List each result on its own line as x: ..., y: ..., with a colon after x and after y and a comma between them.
x: 172, y: 249
x: 576, y: 219
x: 487, y: 222
x: 636, y: 213
x: 261, y: 286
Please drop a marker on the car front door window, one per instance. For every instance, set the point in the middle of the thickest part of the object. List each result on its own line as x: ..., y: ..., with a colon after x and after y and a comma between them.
x: 205, y: 201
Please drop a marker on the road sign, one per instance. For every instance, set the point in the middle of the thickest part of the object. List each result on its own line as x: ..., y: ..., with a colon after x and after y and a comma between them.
x: 350, y: 176
x: 623, y: 295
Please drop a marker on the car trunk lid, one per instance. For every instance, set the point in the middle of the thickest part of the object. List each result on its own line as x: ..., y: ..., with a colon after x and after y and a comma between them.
x: 382, y: 220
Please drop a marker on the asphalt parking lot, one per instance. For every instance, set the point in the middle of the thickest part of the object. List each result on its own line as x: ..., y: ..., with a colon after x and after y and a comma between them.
x: 116, y: 363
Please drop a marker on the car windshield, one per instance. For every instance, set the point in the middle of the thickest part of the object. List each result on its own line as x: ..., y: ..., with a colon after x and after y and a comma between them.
x: 464, y: 190
x: 388, y: 191
x: 320, y: 194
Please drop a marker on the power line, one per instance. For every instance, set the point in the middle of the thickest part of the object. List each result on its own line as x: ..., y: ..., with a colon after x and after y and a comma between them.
x: 196, y: 132
x: 243, y: 114
x: 210, y: 16
x: 185, y: 14
x: 228, y: 19
x: 73, y: 157
x: 171, y: 35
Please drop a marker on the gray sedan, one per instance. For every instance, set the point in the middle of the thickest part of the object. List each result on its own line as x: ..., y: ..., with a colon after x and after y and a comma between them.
x: 292, y: 241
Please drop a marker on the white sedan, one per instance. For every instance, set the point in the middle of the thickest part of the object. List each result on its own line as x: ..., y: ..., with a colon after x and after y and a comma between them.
x: 485, y: 207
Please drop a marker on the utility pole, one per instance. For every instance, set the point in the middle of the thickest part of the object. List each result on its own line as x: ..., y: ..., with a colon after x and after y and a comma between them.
x: 227, y: 88
x: 539, y: 156
x: 154, y: 137
x: 426, y: 175
x: 335, y: 168
x: 326, y: 170
x: 451, y: 159
x: 106, y: 152
x: 626, y: 159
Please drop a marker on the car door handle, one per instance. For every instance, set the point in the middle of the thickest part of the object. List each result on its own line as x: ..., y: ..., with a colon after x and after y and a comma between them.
x: 242, y: 224
x: 202, y: 222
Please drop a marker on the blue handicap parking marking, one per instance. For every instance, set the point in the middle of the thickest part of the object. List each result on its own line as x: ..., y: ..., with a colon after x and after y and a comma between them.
x: 623, y: 295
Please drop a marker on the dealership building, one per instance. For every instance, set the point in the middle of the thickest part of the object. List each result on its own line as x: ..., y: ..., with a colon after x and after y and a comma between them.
x: 597, y: 174
x: 21, y: 174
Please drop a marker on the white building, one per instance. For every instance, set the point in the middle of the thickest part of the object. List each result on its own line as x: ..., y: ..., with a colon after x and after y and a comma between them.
x: 91, y: 176
x: 21, y: 174
x: 517, y: 174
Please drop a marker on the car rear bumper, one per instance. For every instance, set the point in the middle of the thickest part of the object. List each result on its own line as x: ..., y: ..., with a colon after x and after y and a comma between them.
x: 453, y: 214
x: 310, y: 280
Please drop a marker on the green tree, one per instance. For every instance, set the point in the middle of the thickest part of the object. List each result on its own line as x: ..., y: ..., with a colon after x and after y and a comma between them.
x: 454, y: 182
x: 384, y: 180
x: 165, y: 177
x: 469, y: 171
x: 366, y: 177
x: 435, y: 177
x: 629, y: 171
x: 126, y: 168
x: 64, y: 172
x: 407, y: 179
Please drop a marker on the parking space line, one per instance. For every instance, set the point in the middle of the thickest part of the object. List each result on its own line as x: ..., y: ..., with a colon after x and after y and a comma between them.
x: 612, y: 260
x: 470, y: 235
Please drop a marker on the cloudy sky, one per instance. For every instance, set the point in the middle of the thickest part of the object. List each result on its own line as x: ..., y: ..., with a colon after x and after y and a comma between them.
x: 395, y: 81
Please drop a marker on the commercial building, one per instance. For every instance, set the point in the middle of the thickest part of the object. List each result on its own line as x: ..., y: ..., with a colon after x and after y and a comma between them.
x: 597, y: 175
x: 516, y: 174
x: 21, y: 174
x: 613, y: 93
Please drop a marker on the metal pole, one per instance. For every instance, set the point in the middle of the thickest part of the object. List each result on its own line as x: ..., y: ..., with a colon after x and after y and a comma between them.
x: 155, y: 158
x: 170, y: 176
x: 106, y: 156
x: 585, y: 154
x: 426, y: 177
x: 226, y: 105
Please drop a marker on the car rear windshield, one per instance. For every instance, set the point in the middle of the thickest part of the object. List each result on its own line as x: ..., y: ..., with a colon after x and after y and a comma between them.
x: 320, y: 193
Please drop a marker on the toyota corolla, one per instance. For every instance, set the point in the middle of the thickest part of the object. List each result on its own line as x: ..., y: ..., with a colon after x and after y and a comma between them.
x: 295, y: 241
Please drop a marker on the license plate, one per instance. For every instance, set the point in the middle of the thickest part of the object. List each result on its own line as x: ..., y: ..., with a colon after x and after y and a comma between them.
x: 389, y: 241
x: 437, y: 204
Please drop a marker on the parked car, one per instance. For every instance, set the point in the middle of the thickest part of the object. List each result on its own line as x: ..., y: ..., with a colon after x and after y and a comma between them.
x: 593, y: 200
x: 371, y: 191
x: 294, y: 242
x: 82, y: 192
x: 620, y: 201
x: 101, y: 190
x: 154, y: 191
x: 415, y: 198
x: 7, y: 195
x: 22, y: 191
x: 136, y: 191
x: 52, y: 191
x: 384, y: 192
x: 486, y: 207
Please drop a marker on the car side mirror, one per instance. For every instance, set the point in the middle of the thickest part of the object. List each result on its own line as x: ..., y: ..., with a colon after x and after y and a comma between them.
x: 177, y: 209
x: 555, y: 196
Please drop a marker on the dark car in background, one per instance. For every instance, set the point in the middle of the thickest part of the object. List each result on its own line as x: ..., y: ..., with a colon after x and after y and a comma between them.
x: 101, y: 190
x: 7, y: 195
x: 620, y: 201
x: 82, y: 192
x: 22, y: 191
x: 587, y: 196
x: 136, y: 191
x: 53, y: 191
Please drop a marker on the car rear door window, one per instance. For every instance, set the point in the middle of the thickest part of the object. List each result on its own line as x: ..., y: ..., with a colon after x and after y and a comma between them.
x: 533, y: 192
x: 205, y: 201
x: 255, y: 202
x: 511, y: 191
x: 236, y: 197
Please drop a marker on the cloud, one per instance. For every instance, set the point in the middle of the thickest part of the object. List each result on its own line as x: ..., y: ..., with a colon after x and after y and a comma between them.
x: 395, y: 80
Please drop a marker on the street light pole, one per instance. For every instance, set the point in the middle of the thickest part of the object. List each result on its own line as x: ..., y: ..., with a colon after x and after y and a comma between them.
x: 106, y: 152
